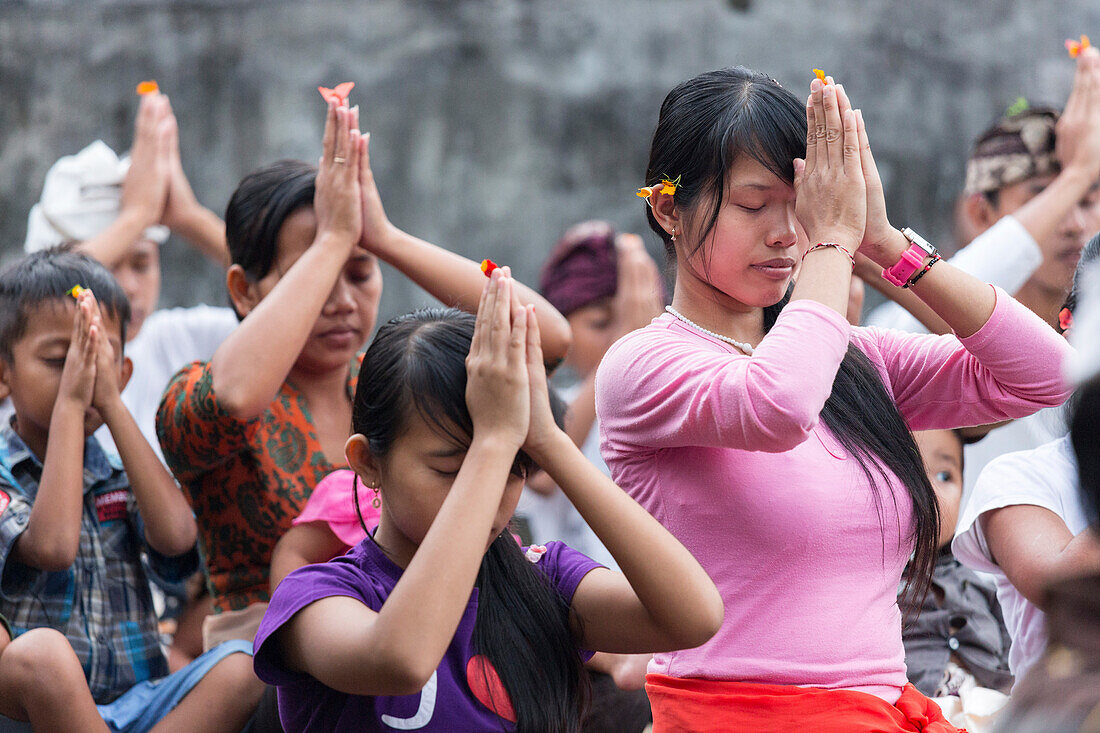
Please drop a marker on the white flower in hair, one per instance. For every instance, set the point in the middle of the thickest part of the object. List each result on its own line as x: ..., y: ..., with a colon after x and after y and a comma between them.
x: 535, y: 552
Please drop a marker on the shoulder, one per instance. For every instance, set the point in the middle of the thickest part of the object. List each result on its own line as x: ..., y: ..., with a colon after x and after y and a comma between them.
x: 562, y: 565
x: 664, y: 342
x: 1045, y: 477
x: 1049, y: 468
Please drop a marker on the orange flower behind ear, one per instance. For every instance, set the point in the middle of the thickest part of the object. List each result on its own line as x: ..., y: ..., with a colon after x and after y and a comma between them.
x: 1076, y: 47
x: 1065, y: 319
x: 645, y: 192
x: 340, y: 92
x: 148, y: 87
x: 820, y: 75
x: 76, y: 290
x: 487, y: 266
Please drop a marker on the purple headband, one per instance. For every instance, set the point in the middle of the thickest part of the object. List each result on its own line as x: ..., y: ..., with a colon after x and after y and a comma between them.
x: 582, y: 267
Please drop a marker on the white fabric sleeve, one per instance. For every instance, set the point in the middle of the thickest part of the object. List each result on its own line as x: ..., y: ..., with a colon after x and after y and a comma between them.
x: 1010, y: 480
x: 1005, y: 255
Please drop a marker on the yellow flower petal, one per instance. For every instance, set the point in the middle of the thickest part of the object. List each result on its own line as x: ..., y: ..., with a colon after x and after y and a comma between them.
x: 820, y: 75
x: 645, y: 192
x: 76, y: 290
x: 668, y: 187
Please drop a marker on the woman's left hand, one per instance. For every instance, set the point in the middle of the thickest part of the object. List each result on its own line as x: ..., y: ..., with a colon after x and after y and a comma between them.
x: 376, y: 225
x: 879, y: 237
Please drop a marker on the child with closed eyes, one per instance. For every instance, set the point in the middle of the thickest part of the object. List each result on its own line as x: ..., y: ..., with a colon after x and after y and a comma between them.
x: 440, y: 621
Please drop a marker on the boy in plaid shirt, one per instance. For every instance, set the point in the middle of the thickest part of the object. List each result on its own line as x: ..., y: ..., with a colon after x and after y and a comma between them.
x: 74, y: 523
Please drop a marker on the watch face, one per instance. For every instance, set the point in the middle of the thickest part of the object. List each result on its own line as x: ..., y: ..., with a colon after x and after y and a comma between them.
x: 919, y: 240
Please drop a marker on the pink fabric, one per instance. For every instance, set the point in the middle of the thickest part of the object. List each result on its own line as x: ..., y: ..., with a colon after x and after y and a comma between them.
x: 331, y: 502
x: 727, y: 452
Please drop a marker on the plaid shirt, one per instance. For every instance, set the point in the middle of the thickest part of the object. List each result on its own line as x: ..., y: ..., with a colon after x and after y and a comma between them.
x: 102, y: 602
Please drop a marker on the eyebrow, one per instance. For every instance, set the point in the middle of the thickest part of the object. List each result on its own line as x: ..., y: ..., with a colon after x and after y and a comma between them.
x: 446, y: 452
x: 754, y: 186
x: 946, y: 456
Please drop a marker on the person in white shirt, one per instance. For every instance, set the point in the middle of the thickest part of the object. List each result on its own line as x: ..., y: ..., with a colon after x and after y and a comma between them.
x: 1033, y: 191
x: 1025, y: 522
x: 119, y: 211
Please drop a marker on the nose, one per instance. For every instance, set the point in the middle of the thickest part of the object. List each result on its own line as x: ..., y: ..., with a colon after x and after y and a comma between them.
x: 1074, y: 224
x: 340, y: 299
x: 785, y: 232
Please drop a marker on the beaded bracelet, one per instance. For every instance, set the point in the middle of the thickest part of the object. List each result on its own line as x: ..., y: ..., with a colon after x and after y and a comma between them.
x: 833, y: 244
x: 913, y: 280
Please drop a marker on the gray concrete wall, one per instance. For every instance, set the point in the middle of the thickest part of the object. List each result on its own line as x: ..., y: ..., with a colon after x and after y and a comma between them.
x: 497, y: 123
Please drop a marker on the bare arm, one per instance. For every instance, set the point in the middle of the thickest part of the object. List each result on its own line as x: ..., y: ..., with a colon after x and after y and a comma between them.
x: 145, y: 187
x: 169, y: 523
x: 303, y: 544
x: 1034, y: 548
x: 52, y: 536
x: 183, y: 213
x: 253, y: 362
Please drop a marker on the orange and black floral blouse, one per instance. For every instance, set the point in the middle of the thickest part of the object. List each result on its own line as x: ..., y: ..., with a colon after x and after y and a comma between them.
x: 246, y: 479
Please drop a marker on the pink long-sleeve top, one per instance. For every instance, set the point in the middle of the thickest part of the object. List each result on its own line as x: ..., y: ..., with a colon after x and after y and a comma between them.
x: 728, y: 452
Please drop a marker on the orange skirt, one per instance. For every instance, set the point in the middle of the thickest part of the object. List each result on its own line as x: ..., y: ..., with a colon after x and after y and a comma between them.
x: 682, y: 705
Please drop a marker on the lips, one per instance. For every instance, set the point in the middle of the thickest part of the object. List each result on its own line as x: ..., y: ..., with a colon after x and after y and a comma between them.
x: 779, y: 268
x: 339, y: 336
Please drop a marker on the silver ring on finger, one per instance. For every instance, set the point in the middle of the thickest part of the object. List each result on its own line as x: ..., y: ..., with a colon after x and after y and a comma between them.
x: 338, y: 160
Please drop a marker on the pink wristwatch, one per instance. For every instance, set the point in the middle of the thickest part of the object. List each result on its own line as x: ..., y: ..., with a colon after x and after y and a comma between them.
x: 911, y: 260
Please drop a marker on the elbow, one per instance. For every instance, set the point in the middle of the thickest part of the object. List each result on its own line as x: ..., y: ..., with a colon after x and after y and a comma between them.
x: 235, y: 398
x: 51, y: 558
x: 778, y: 432
x: 179, y: 541
x: 705, y: 621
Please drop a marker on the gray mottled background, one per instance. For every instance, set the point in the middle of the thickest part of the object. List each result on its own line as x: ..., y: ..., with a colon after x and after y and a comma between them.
x: 497, y: 123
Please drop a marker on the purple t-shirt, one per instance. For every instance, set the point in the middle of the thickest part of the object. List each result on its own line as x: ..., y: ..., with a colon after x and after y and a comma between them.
x: 447, y: 702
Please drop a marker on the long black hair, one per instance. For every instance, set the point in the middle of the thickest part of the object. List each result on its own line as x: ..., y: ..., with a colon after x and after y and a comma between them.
x: 706, y: 124
x: 417, y: 365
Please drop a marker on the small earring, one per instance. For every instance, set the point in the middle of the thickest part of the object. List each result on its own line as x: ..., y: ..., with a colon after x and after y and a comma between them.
x: 673, y: 234
x: 376, y: 502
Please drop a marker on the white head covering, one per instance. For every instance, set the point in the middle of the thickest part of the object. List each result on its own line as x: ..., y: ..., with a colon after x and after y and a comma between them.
x: 1085, y: 335
x: 80, y: 198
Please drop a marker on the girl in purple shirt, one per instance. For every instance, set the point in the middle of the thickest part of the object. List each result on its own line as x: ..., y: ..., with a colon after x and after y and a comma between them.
x: 440, y: 621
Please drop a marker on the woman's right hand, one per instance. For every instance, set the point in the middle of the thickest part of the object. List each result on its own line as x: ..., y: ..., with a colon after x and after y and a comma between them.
x: 830, y: 190
x: 336, y: 202
x: 1077, y: 134
x: 497, y: 390
x: 145, y: 187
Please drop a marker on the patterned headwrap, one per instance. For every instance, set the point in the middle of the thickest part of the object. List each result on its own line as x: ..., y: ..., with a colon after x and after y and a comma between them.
x: 582, y: 267
x: 1018, y: 147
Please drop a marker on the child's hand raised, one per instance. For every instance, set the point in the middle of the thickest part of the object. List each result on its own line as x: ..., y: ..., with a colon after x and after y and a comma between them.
x: 107, y: 388
x: 337, y: 201
x: 78, y: 375
x: 496, y: 372
x: 543, y: 425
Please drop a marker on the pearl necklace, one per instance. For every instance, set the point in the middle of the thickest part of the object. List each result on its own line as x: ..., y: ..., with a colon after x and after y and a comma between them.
x: 747, y: 348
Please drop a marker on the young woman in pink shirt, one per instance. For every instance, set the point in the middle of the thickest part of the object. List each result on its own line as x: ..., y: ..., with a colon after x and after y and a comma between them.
x: 773, y: 438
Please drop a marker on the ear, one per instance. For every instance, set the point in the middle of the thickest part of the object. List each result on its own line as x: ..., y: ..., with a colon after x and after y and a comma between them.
x: 361, y: 460
x: 125, y: 373
x: 5, y: 388
x: 242, y: 290
x: 979, y: 212
x: 666, y: 212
